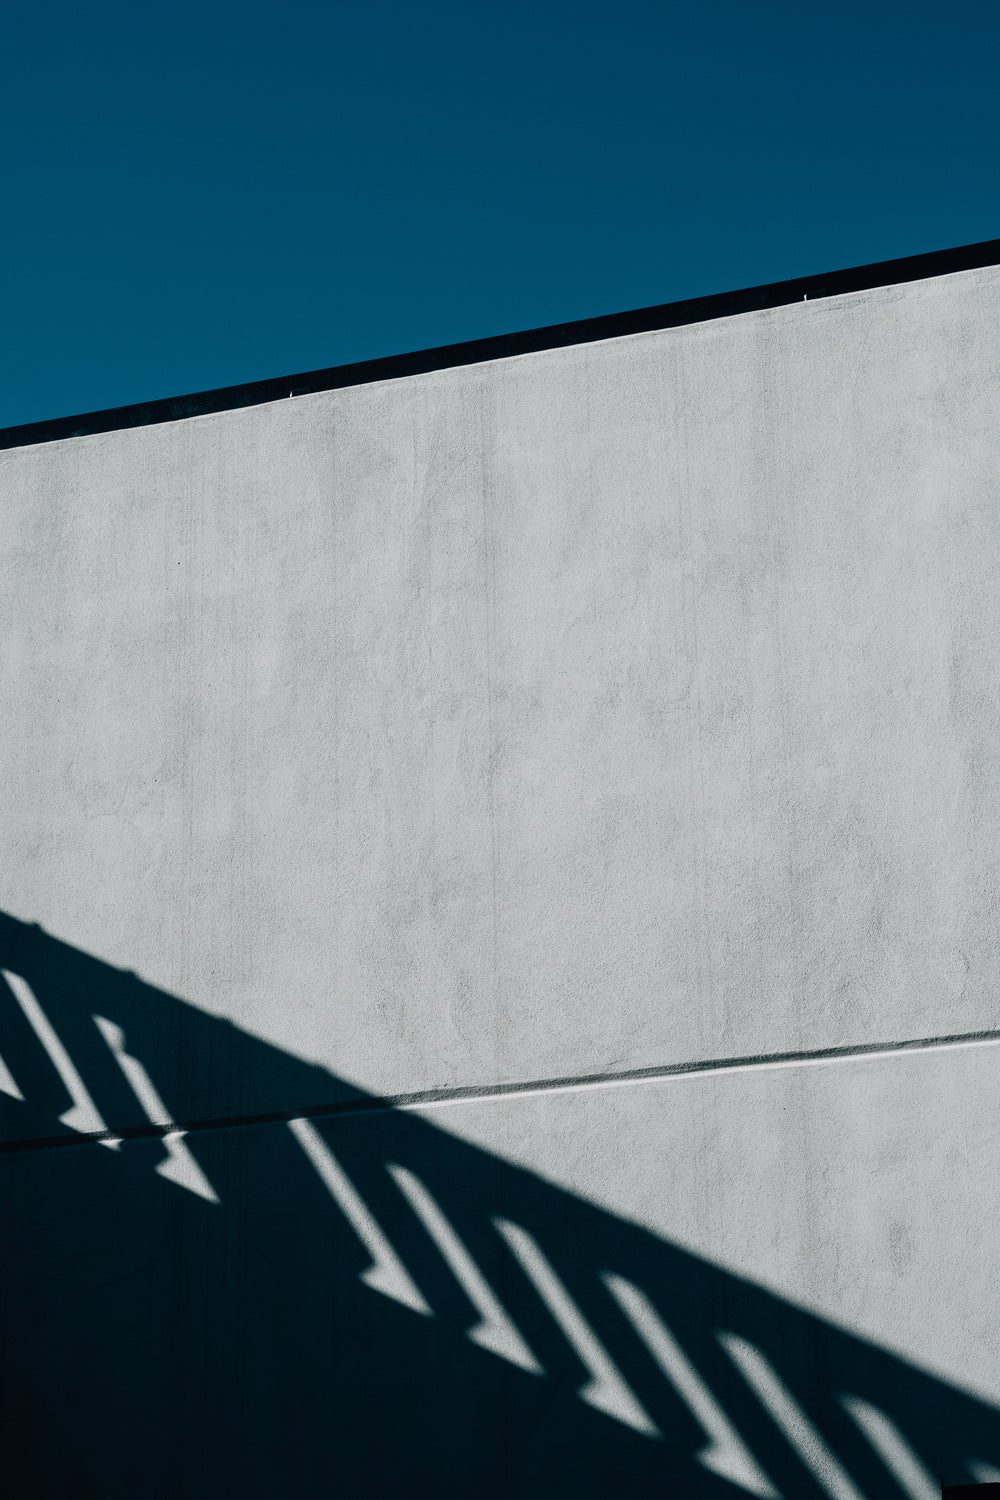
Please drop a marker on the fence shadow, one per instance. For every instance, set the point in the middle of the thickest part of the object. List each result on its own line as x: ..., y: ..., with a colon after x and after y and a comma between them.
x: 339, y: 1297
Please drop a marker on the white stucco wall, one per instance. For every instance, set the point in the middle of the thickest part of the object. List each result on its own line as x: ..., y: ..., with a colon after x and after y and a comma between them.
x: 619, y: 705
x: 616, y: 707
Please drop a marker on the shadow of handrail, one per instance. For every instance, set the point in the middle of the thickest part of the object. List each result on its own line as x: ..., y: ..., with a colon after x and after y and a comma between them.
x: 227, y: 1272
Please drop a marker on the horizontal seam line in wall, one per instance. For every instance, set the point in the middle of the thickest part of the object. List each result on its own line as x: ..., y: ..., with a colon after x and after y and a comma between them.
x: 436, y: 1098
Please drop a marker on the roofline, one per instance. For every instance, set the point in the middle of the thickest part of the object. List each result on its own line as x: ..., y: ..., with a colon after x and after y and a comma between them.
x: 505, y: 345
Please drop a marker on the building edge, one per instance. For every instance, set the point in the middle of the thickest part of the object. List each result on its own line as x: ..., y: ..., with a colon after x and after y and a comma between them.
x: 506, y: 345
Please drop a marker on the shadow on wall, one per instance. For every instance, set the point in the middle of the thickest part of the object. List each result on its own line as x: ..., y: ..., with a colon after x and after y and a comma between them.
x: 356, y: 1302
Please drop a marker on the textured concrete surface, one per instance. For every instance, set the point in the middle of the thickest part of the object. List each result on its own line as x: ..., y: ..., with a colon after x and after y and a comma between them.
x: 621, y: 706
x: 625, y: 704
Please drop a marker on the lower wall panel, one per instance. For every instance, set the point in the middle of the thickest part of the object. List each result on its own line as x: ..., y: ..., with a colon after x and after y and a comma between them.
x: 487, y: 1299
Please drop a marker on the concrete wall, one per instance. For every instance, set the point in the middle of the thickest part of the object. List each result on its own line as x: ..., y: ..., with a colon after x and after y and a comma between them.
x: 621, y: 707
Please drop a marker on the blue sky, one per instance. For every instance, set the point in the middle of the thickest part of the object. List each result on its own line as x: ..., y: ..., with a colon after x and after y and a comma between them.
x: 199, y: 194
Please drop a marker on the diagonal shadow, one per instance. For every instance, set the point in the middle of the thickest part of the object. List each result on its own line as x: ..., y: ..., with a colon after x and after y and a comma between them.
x: 335, y: 1296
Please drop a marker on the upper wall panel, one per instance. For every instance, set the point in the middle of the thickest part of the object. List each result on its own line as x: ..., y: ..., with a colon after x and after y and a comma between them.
x: 620, y: 705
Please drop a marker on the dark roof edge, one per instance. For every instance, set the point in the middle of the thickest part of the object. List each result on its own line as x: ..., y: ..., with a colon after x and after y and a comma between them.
x: 505, y: 345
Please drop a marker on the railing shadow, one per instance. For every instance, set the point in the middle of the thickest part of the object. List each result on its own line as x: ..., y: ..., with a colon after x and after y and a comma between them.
x: 338, y: 1297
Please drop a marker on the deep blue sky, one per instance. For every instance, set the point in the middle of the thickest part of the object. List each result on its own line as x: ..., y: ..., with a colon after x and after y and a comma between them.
x: 199, y: 194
